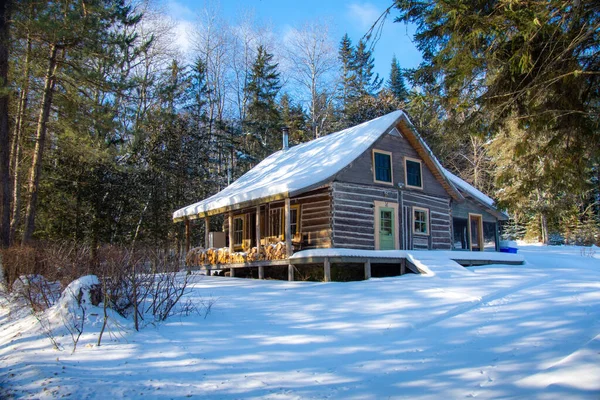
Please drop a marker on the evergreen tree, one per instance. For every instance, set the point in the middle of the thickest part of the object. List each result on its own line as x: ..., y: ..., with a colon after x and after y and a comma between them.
x: 5, y: 10
x: 263, y: 120
x: 295, y: 119
x: 395, y: 82
x: 363, y: 65
x: 348, y: 77
x: 526, y: 74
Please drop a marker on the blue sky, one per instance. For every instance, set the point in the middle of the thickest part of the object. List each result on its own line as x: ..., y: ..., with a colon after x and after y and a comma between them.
x: 352, y: 17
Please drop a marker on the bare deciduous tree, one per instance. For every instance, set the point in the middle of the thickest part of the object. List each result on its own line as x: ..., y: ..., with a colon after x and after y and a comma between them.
x: 311, y: 57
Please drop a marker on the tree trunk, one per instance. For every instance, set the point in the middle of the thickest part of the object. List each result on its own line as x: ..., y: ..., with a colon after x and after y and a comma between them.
x: 16, y: 146
x: 36, y: 165
x: 544, y: 228
x: 4, y: 137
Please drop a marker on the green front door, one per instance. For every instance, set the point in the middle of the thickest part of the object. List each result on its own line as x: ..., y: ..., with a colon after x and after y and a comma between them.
x: 386, y: 229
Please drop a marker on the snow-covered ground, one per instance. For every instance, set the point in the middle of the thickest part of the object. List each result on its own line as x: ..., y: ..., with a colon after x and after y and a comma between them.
x: 530, y: 331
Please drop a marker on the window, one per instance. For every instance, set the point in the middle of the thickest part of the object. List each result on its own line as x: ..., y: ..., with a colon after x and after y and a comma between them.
x: 382, y: 166
x: 413, y: 173
x: 386, y: 222
x: 421, y: 221
x: 295, y: 219
x: 238, y: 231
x: 275, y: 223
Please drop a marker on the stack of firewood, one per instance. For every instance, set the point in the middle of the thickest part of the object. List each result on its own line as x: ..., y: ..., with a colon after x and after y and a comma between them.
x: 253, y: 254
x: 195, y: 256
x: 200, y: 256
x: 276, y: 251
x: 238, y: 258
x: 223, y: 256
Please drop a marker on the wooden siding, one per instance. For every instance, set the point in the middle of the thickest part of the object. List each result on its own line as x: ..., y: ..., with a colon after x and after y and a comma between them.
x: 315, y: 218
x: 462, y: 210
x: 440, y: 220
x: 353, y: 213
x: 360, y: 171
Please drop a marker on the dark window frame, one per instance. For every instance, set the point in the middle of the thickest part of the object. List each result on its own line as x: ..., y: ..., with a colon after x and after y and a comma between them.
x: 409, y: 175
x: 381, y: 173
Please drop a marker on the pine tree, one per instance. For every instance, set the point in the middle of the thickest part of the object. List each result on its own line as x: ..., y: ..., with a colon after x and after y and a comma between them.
x: 5, y: 10
x: 348, y: 78
x: 363, y: 65
x: 263, y: 119
x: 395, y: 82
x: 295, y: 119
x: 524, y: 77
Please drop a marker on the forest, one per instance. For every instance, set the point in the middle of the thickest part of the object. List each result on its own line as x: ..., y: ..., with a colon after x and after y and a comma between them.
x: 106, y: 127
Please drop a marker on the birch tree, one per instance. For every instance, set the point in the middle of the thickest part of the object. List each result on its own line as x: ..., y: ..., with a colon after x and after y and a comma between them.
x: 313, y: 65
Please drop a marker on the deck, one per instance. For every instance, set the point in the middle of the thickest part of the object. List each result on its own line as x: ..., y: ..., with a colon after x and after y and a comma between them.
x: 418, y: 261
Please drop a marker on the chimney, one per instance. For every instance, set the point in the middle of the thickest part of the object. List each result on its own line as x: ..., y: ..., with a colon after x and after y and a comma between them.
x: 286, y: 136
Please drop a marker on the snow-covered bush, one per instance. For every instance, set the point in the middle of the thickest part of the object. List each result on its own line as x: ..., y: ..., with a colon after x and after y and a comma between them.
x: 35, y: 291
x: 144, y: 286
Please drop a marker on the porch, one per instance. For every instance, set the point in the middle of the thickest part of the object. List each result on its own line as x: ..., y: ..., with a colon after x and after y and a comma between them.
x: 419, y: 262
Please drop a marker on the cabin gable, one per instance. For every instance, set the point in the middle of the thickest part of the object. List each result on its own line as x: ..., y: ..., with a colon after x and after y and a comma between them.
x: 363, y: 169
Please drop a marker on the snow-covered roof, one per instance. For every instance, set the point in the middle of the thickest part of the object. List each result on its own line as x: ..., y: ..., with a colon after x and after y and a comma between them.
x: 289, y: 172
x: 475, y: 194
x: 468, y: 188
x: 306, y: 166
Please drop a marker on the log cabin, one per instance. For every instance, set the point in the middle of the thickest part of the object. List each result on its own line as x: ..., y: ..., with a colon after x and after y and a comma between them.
x: 374, y: 186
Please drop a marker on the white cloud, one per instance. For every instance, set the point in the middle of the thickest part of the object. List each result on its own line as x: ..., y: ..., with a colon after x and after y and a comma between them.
x: 178, y: 11
x: 363, y: 14
x: 183, y: 35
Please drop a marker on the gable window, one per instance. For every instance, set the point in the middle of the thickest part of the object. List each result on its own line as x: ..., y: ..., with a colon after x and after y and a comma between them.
x: 238, y: 231
x: 413, y: 173
x: 382, y: 166
x: 420, y: 221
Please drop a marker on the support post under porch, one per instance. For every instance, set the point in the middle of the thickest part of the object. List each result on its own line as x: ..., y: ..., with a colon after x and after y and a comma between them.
x: 261, y: 272
x: 290, y: 273
x: 326, y: 270
x: 368, y: 270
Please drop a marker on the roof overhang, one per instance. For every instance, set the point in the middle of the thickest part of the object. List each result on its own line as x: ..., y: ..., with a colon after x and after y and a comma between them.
x: 233, y: 207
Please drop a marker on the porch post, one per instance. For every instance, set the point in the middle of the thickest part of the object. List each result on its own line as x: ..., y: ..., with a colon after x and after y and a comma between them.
x: 403, y: 266
x: 290, y: 272
x: 206, y: 231
x: 327, y: 270
x: 368, y: 269
x: 258, y: 235
x: 232, y: 272
x: 230, y: 232
x: 288, y: 228
x: 261, y: 272
x: 187, y: 236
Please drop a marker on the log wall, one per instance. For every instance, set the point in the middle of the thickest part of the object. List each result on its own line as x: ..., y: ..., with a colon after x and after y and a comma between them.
x: 439, y: 222
x: 354, y: 213
x: 315, y: 218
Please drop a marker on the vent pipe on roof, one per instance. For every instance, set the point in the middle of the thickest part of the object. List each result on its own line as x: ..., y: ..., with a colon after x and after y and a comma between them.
x: 286, y: 136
